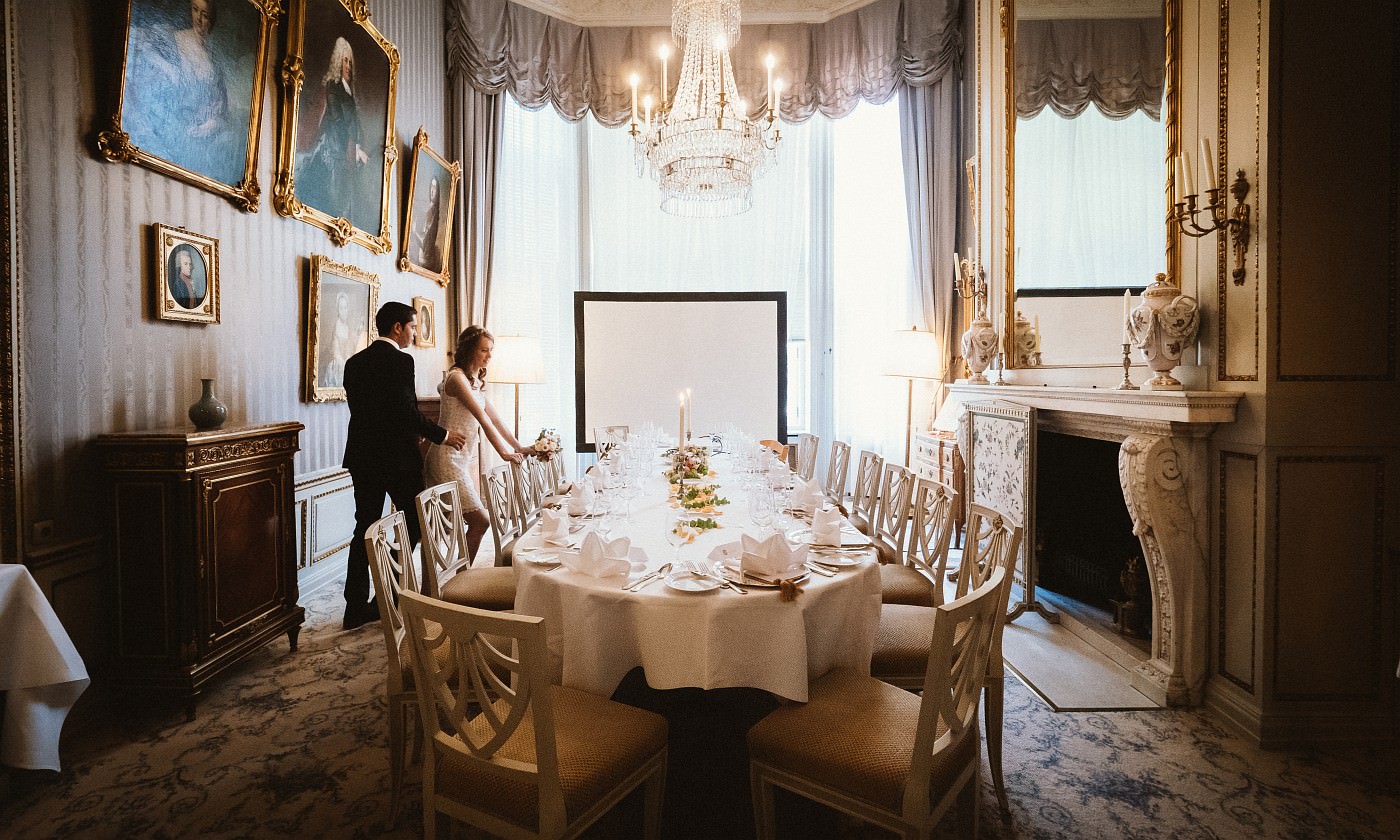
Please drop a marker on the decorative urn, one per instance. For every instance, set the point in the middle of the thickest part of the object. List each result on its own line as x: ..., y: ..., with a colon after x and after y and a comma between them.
x: 1162, y: 326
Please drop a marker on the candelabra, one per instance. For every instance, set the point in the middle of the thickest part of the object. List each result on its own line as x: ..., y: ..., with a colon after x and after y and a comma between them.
x: 1187, y: 216
x: 979, y: 343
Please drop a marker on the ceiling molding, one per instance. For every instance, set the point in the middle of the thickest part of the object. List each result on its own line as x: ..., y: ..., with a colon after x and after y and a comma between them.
x: 658, y: 12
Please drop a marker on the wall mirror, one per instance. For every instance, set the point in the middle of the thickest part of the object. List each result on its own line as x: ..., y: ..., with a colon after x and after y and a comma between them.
x: 1090, y: 124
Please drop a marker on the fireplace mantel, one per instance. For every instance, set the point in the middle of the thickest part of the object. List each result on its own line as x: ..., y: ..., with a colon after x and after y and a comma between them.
x: 1210, y: 407
x: 1162, y: 471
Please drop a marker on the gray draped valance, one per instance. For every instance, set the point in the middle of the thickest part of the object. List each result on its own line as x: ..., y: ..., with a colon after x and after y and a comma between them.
x: 862, y: 55
x: 1119, y: 65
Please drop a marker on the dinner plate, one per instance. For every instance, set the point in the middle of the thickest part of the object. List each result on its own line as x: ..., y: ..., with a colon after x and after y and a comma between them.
x: 733, y: 575
x: 849, y: 539
x: 838, y: 558
x: 691, y: 582
x: 540, y: 557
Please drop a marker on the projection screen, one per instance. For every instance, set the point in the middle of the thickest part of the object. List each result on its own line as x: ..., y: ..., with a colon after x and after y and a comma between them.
x: 634, y: 352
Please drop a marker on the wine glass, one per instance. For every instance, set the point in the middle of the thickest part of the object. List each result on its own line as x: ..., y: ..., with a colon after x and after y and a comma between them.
x: 678, y: 531
x: 761, y: 508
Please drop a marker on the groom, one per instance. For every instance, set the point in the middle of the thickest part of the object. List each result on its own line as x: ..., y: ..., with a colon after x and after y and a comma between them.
x: 381, y: 450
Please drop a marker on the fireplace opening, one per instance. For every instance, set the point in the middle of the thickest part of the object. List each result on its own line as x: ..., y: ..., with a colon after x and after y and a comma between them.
x: 1085, y: 546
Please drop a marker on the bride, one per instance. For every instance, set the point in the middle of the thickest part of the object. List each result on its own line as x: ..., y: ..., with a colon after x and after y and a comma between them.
x: 465, y: 410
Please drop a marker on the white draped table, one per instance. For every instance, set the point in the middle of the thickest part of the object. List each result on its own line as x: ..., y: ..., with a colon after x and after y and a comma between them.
x: 40, y: 672
x: 597, y: 632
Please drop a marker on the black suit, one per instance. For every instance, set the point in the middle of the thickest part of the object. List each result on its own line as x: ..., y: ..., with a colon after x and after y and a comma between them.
x: 381, y: 450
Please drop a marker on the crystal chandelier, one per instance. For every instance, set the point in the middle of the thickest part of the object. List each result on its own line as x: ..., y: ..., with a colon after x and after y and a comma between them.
x: 701, y: 146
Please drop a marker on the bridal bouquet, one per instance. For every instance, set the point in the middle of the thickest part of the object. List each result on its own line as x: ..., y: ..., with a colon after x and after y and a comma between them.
x: 548, y: 443
x: 688, y: 463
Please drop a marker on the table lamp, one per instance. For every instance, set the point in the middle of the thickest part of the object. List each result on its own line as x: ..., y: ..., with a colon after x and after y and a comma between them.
x: 516, y: 360
x: 913, y: 354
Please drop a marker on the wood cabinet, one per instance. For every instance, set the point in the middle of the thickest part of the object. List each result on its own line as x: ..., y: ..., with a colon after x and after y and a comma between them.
x: 203, y: 550
x: 936, y: 457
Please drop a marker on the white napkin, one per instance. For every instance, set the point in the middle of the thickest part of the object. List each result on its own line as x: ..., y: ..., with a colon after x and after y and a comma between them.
x: 773, y: 558
x: 580, y: 498
x: 554, y: 527
x: 826, y: 527
x: 600, y: 474
x: 600, y: 557
x: 807, y: 496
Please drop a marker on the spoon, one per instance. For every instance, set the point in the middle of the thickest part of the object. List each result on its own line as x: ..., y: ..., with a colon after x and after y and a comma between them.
x: 648, y: 578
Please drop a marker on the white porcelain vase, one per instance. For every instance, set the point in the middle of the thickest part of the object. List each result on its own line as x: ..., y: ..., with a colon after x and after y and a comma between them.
x: 1163, y: 326
x: 979, y: 347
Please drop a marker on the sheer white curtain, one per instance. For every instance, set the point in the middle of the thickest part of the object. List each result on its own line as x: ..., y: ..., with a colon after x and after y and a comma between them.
x: 1100, y: 182
x: 536, y: 261
x: 872, y: 277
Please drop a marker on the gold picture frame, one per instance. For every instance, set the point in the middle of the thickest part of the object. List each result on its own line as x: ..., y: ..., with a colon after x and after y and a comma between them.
x: 337, y: 331
x: 425, y: 240
x: 174, y: 115
x: 187, y: 276
x: 426, y: 312
x: 334, y: 166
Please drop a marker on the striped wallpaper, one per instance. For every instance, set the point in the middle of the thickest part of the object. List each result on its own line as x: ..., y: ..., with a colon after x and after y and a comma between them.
x: 93, y: 359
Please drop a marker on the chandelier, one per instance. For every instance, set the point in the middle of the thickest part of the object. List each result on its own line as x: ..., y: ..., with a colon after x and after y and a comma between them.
x: 701, y: 147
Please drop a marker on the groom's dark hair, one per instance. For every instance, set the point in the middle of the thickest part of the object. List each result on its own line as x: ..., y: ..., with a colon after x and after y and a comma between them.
x: 392, y: 313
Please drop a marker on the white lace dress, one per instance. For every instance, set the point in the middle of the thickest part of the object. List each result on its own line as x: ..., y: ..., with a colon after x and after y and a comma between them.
x: 447, y: 464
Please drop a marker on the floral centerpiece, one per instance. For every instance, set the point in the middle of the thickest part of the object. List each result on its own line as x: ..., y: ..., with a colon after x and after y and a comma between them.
x: 689, y: 463
x: 700, y: 498
x: 548, y: 443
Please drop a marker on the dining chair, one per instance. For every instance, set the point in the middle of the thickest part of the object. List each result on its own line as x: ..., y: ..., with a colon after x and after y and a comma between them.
x: 556, y: 471
x: 901, y: 638
x: 919, y: 578
x: 779, y: 449
x: 807, y: 455
x: 501, y: 508
x: 606, y: 437
x: 514, y: 755
x: 837, y: 465
x: 529, y: 496
x: 881, y: 754
x: 391, y: 567
x: 447, y: 570
x: 866, y: 494
x: 891, y: 527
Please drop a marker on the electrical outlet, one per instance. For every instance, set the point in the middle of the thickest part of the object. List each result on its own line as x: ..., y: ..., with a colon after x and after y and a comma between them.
x: 42, y: 531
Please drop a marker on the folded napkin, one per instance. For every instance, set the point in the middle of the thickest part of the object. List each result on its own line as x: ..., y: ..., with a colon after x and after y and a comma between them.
x: 826, y: 527
x: 807, y: 496
x: 774, y: 558
x: 601, y: 557
x: 580, y: 498
x: 554, y: 527
x: 600, y: 475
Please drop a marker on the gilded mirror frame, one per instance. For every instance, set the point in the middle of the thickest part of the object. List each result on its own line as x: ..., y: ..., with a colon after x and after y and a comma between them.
x: 1171, y: 16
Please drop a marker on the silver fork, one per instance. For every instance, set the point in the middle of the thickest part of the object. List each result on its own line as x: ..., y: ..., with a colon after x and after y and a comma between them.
x: 712, y: 571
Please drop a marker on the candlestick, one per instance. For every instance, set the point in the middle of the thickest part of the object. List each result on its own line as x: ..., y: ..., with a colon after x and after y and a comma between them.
x: 1126, y: 384
x: 1180, y: 180
x: 1190, y: 179
x: 769, y: 62
x: 1127, y: 313
x: 689, y: 415
x: 633, y: 80
x: 646, y: 104
x: 1207, y: 164
x: 665, y: 53
x: 680, y: 429
x: 777, y: 98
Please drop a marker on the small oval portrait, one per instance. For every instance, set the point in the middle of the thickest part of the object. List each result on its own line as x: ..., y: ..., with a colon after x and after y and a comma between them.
x: 425, y: 322
x: 187, y: 276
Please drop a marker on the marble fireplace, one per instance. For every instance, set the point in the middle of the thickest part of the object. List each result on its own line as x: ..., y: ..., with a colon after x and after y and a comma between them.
x: 1162, y: 470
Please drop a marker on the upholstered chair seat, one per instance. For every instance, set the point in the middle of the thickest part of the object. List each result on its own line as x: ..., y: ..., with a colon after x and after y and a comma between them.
x: 599, y: 744
x: 487, y: 588
x: 900, y: 584
x: 866, y: 753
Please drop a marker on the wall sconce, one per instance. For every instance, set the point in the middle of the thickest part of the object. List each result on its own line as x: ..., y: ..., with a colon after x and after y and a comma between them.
x: 1186, y: 214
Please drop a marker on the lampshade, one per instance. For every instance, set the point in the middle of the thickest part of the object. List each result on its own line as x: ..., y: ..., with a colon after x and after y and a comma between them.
x: 516, y: 359
x: 913, y: 354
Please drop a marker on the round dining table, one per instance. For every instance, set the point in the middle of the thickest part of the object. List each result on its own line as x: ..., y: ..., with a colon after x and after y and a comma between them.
x: 598, y: 630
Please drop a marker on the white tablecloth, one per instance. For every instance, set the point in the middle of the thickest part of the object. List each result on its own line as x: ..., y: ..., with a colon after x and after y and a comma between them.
x: 718, y: 639
x: 40, y: 671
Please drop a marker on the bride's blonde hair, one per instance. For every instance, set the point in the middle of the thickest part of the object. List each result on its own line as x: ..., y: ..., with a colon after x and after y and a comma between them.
x: 467, y: 343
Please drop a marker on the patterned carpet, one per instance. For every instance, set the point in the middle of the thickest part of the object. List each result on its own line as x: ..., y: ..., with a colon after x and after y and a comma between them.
x: 294, y: 746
